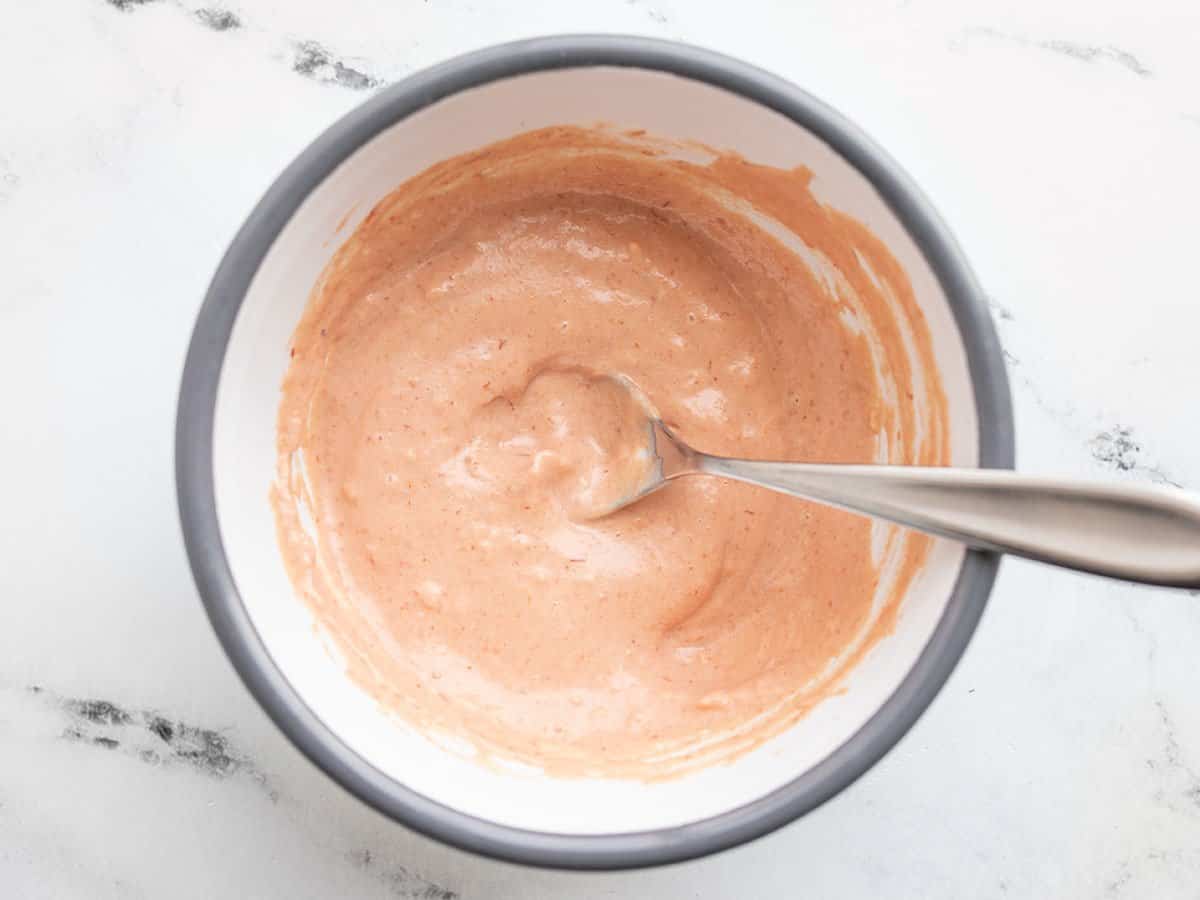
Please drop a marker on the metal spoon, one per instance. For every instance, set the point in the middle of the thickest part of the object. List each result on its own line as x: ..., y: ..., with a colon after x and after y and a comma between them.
x: 1139, y: 533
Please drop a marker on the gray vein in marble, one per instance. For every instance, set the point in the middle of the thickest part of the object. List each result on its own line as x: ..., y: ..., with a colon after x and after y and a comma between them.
x: 1178, y: 779
x: 1114, y: 447
x: 309, y: 58
x: 1172, y: 761
x: 1123, y: 876
x: 1092, y: 53
x: 218, y: 19
x: 1086, y: 53
x: 1139, y: 628
x: 212, y: 17
x: 314, y: 61
x: 401, y: 882
x: 152, y: 738
x: 655, y: 15
x: 1003, y: 313
x: 1132, y: 868
x: 1005, y: 317
x: 98, y: 712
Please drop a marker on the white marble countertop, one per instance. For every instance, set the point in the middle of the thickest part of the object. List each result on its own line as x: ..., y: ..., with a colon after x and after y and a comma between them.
x: 1060, y: 139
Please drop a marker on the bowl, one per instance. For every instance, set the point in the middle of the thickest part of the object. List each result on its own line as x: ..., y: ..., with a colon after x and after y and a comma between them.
x: 225, y: 451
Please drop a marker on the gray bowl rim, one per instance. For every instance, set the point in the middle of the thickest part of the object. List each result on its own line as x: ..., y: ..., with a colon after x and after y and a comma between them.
x: 195, y: 477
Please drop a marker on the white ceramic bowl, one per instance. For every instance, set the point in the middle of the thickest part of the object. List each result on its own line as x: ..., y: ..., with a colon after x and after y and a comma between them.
x: 226, y: 450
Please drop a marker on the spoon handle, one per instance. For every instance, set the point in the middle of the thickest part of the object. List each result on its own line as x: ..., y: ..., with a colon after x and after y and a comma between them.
x: 1139, y: 533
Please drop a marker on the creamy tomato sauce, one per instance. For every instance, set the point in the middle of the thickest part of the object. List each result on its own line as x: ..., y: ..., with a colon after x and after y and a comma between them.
x: 450, y: 420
